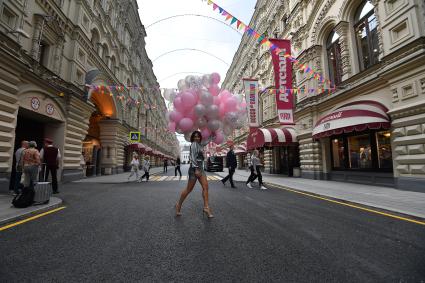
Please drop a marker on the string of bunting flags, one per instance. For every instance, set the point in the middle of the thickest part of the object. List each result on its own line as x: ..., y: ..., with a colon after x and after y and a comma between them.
x: 265, y: 41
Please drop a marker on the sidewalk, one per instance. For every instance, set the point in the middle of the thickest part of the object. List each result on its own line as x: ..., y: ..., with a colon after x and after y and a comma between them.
x: 8, y: 213
x: 117, y: 178
x: 406, y: 202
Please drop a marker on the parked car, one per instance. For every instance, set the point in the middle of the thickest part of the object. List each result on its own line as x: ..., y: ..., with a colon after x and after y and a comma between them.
x: 214, y: 163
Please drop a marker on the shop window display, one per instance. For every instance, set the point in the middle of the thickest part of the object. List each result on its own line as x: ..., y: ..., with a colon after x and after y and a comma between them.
x: 369, y: 151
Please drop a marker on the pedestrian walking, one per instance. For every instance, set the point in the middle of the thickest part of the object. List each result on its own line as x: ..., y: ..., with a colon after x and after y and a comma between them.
x: 231, y: 163
x: 165, y: 165
x: 178, y: 162
x: 30, y: 164
x: 50, y: 155
x: 196, y: 172
x: 135, y: 163
x: 255, y: 167
x: 146, y: 167
x: 18, y: 167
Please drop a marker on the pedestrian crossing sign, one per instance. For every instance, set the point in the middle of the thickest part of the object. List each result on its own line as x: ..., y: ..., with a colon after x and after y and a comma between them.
x: 134, y: 136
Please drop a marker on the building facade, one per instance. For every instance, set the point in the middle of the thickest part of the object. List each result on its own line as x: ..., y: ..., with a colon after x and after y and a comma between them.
x: 50, y: 52
x: 371, y: 128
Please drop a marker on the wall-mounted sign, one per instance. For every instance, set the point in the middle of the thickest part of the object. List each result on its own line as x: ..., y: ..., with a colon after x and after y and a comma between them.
x: 35, y: 103
x: 50, y: 109
x: 134, y: 136
x: 251, y: 94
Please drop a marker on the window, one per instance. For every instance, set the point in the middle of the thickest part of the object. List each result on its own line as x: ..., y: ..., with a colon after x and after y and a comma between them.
x: 338, y: 149
x: 44, y: 54
x: 383, y: 141
x: 359, y: 152
x: 333, y: 49
x: 366, y: 31
x: 367, y: 151
x: 8, y: 17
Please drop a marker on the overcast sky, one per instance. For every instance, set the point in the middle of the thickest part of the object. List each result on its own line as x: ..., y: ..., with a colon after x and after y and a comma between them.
x: 192, y: 32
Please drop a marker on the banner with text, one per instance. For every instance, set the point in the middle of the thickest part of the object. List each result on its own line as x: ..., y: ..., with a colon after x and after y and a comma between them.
x: 283, y: 79
x: 251, y: 94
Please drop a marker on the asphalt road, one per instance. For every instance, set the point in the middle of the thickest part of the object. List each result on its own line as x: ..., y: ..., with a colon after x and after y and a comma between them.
x: 128, y: 232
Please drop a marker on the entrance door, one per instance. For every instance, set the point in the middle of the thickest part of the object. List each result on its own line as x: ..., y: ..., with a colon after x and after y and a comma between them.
x: 32, y: 126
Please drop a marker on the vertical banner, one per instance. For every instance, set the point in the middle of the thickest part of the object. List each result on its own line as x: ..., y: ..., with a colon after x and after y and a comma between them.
x: 283, y: 79
x: 251, y: 94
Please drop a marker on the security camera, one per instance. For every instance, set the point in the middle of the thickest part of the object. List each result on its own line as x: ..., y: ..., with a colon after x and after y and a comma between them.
x: 20, y: 32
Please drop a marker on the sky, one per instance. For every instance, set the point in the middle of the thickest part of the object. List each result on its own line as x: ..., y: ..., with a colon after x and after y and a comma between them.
x: 195, y: 32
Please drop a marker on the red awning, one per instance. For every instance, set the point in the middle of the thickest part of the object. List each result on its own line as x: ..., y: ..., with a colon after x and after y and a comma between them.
x: 355, y: 116
x: 260, y: 137
x: 137, y: 146
x: 148, y: 149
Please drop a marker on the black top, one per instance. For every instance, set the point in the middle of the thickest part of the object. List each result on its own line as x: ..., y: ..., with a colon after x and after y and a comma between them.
x: 231, y: 161
x: 178, y: 161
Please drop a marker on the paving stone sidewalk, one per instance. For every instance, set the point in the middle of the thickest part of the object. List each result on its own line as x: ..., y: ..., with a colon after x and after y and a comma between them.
x: 8, y: 213
x: 406, y: 202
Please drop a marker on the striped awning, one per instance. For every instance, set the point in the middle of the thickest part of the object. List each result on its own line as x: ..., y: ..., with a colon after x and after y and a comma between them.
x: 137, y: 146
x: 260, y: 137
x: 355, y: 116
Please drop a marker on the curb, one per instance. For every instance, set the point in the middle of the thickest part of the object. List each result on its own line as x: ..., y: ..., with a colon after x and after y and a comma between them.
x: 30, y: 213
x: 343, y: 201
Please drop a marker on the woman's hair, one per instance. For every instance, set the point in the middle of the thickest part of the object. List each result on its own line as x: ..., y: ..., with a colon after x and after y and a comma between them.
x: 192, y: 137
x: 32, y: 144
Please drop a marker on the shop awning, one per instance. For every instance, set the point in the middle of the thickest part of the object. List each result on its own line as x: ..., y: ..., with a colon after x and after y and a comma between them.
x: 355, y: 116
x: 137, y: 146
x: 260, y: 137
x: 148, y: 149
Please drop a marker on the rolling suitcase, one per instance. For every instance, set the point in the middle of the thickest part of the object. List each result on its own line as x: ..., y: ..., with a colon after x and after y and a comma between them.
x: 43, y: 190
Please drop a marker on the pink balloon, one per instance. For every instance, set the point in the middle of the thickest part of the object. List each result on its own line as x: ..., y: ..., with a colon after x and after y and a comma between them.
x: 214, y: 90
x: 231, y: 104
x: 188, y: 99
x: 222, y: 110
x: 191, y: 115
x: 172, y: 127
x: 219, y: 137
x: 243, y: 105
x: 206, y: 133
x: 216, y: 100
x: 176, y: 116
x: 225, y: 94
x: 178, y: 104
x: 215, y: 78
x: 186, y: 124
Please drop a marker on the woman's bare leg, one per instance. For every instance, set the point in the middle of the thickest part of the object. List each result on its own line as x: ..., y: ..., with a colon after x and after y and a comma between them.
x: 185, y: 193
x: 204, y: 183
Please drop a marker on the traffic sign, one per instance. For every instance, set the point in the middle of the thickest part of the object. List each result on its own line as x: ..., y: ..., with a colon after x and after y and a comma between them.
x: 134, y: 136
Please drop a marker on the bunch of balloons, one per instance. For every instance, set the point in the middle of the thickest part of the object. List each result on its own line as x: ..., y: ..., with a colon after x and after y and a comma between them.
x: 201, y: 105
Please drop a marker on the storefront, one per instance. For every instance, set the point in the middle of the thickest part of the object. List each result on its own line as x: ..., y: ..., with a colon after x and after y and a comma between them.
x: 356, y: 139
x: 278, y: 148
x: 241, y: 156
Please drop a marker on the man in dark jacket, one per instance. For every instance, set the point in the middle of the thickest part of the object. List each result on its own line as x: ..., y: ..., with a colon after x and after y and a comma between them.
x: 231, y: 163
x: 51, y: 156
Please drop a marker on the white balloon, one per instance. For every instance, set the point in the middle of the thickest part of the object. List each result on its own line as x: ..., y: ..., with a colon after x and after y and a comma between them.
x: 212, y: 112
x: 200, y: 110
x: 206, y: 80
x: 206, y: 98
x: 182, y: 85
x: 214, y: 125
x: 201, y: 122
x: 231, y: 118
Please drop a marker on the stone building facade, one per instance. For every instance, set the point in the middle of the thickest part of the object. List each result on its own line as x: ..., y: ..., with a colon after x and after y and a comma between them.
x: 50, y: 51
x: 371, y: 128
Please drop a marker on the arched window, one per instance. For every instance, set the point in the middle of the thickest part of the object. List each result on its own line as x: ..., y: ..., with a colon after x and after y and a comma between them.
x: 365, y: 27
x: 105, y: 52
x: 333, y: 51
x: 95, y: 38
x: 113, y: 64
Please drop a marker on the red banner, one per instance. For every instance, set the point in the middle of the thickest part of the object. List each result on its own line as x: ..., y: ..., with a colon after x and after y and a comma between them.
x: 251, y: 94
x: 283, y: 79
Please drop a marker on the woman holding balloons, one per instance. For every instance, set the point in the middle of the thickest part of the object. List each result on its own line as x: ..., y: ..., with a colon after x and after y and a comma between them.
x: 196, y: 173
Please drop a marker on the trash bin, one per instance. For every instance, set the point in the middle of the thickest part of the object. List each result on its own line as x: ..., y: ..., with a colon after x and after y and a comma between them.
x: 297, y: 172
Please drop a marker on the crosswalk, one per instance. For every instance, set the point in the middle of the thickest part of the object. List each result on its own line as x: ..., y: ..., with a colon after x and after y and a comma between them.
x: 160, y: 178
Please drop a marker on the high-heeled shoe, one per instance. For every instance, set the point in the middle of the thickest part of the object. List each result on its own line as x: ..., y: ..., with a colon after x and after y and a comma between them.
x: 178, y: 213
x: 206, y: 211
